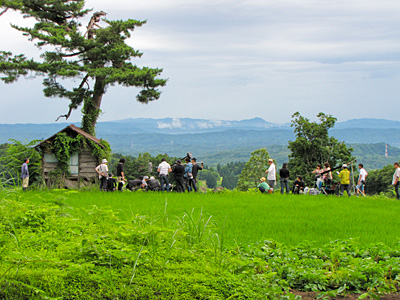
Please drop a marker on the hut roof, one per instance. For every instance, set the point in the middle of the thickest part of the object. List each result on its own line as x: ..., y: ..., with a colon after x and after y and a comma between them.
x: 76, y: 130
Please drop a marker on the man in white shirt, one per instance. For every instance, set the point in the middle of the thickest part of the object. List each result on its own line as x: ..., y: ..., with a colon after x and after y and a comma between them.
x: 102, y: 170
x: 361, y: 180
x: 271, y: 173
x: 395, y: 180
x: 163, y: 169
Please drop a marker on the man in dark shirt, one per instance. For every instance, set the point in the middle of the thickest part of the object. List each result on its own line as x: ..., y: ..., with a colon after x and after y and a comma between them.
x: 120, y: 174
x: 178, y: 172
x: 299, y: 185
x: 284, y: 175
x: 195, y: 170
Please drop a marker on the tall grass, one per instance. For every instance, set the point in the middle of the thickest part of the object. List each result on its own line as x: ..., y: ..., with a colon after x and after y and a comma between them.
x: 250, y: 217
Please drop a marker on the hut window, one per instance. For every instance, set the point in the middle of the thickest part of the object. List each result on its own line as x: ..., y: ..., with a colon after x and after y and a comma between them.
x: 50, y: 158
x: 74, y: 164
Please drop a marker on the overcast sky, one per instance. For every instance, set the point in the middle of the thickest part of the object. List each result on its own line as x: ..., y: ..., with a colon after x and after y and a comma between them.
x: 240, y: 59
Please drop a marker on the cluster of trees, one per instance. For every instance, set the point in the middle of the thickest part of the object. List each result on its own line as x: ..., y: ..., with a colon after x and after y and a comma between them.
x: 230, y: 174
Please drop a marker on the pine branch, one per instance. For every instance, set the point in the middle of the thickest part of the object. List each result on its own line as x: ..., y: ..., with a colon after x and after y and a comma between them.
x: 3, y: 12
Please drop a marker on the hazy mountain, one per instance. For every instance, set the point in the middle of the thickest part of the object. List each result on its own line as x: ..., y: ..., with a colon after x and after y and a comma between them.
x: 183, y: 134
x: 368, y: 123
x: 220, y: 141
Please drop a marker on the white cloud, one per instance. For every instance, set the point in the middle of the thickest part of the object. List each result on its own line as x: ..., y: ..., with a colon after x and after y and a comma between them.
x: 176, y: 123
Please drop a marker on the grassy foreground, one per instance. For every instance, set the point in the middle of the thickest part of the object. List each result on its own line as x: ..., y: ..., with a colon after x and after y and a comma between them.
x: 92, y: 245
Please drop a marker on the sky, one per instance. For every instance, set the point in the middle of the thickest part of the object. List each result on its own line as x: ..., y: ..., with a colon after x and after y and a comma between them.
x: 240, y: 59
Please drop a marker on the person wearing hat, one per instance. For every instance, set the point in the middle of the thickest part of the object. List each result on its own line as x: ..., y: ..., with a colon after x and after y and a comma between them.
x: 271, y: 173
x: 344, y: 176
x: 144, y: 182
x: 102, y: 170
x: 264, y: 187
x: 178, y: 172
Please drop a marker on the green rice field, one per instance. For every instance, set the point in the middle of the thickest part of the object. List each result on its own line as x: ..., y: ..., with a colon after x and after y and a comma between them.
x: 251, y: 217
x: 135, y: 245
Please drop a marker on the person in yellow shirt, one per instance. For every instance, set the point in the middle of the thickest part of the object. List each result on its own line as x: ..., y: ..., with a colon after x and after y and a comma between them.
x: 344, y: 176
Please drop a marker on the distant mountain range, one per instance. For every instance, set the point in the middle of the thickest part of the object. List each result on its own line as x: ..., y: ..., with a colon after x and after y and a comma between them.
x: 205, y: 137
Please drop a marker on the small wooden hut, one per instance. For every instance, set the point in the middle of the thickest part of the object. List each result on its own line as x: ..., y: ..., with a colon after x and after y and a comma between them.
x: 81, y: 164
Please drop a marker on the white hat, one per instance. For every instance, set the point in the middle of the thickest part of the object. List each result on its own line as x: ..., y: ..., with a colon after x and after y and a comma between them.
x: 104, y: 161
x: 344, y: 166
x: 152, y: 177
x: 145, y: 177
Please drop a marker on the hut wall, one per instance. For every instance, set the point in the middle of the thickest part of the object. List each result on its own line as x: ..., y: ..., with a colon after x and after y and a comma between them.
x: 87, y: 165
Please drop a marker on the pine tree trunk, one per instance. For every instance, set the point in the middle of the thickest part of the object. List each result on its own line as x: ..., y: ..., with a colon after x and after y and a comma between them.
x: 91, y: 107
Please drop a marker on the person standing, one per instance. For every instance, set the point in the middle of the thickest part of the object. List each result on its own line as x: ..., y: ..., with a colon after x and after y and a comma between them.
x: 327, y: 174
x: 163, y: 169
x: 271, y: 174
x: 102, y: 170
x: 395, y: 180
x: 361, y: 179
x: 120, y: 174
x: 344, y: 176
x: 195, y: 170
x: 284, y: 175
x: 25, y: 174
x: 188, y: 174
x: 178, y: 172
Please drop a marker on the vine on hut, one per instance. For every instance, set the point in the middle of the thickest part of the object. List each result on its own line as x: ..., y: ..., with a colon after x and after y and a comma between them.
x: 65, y: 146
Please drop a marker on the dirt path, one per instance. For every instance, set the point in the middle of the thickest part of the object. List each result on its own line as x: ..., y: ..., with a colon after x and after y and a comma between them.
x: 313, y: 296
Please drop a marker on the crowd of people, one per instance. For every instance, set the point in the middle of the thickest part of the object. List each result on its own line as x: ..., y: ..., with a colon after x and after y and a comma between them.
x: 323, y: 180
x: 186, y: 178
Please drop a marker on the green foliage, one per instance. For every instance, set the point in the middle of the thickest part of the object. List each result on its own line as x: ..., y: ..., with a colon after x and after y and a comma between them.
x: 100, y: 57
x: 313, y: 146
x: 380, y: 181
x: 373, y: 155
x: 230, y: 174
x: 253, y: 170
x: 210, y: 176
x: 13, y: 158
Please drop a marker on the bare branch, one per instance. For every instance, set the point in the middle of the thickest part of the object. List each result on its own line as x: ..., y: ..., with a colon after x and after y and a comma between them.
x: 93, y: 20
x: 65, y: 116
x: 84, y: 80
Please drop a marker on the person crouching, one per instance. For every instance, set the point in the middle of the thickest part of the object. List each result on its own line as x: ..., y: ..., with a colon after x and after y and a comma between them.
x: 263, y: 187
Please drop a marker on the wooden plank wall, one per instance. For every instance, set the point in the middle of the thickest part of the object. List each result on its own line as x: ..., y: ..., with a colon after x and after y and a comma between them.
x: 87, y: 164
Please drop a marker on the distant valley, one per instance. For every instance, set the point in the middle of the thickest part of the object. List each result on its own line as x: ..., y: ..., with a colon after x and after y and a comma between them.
x: 216, y: 141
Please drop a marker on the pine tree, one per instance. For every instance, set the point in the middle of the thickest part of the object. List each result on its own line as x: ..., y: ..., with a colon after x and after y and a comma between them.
x: 99, y: 56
